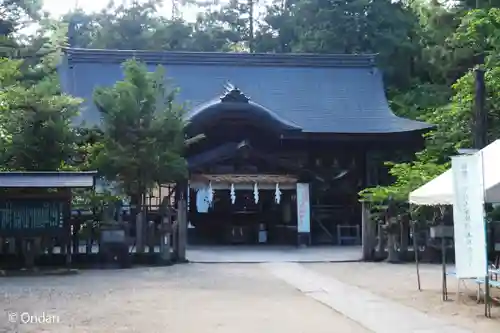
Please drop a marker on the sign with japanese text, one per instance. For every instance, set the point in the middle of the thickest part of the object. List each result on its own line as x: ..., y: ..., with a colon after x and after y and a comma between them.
x: 31, y: 217
x: 303, y: 208
x: 468, y: 216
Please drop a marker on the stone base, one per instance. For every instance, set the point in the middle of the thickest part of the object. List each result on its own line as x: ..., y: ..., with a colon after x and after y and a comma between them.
x: 304, y: 239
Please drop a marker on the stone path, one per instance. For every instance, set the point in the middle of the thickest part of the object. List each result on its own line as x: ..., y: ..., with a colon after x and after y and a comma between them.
x: 371, y: 311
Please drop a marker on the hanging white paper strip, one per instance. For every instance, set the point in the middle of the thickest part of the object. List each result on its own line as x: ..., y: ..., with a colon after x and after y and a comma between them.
x: 277, y: 194
x: 210, y: 194
x: 256, y: 193
x: 232, y: 194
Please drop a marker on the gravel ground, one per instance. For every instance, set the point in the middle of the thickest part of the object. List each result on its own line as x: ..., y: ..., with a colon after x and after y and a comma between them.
x: 399, y: 283
x: 180, y: 299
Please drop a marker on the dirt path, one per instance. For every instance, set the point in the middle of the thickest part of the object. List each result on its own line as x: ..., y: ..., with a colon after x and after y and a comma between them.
x: 180, y: 299
x: 399, y: 283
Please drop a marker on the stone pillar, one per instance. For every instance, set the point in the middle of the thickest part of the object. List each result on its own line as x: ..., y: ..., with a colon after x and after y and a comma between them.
x: 368, y: 226
x: 368, y: 233
x: 303, y: 215
x: 139, y: 232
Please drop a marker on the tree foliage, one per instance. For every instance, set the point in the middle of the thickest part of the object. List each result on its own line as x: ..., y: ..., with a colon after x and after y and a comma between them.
x: 38, y: 126
x: 35, y: 120
x: 143, y: 137
x: 471, y: 40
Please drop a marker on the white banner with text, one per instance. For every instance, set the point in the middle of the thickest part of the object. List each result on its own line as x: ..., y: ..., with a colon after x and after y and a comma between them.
x: 468, y: 216
x: 303, y: 208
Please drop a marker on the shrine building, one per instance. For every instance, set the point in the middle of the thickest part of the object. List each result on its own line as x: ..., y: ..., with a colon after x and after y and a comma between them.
x: 290, y: 138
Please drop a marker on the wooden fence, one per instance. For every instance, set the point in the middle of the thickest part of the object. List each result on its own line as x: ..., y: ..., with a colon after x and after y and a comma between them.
x: 157, y: 241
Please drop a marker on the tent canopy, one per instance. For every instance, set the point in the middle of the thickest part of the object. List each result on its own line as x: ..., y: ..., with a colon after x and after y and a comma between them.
x: 439, y: 191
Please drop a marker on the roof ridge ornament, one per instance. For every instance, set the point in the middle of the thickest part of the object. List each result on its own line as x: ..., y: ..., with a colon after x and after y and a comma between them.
x: 233, y: 94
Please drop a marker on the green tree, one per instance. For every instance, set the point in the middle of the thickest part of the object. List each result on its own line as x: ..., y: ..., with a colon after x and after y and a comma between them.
x: 141, y: 27
x: 35, y: 121
x: 408, y: 176
x: 477, y: 34
x: 14, y: 16
x: 143, y: 138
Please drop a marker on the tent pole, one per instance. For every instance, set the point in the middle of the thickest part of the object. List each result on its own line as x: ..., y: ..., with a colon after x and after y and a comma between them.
x: 416, y: 251
x: 415, y: 248
x: 443, y: 258
x: 487, y: 303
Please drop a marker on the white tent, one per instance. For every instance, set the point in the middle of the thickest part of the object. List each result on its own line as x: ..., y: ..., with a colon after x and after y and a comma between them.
x: 439, y: 191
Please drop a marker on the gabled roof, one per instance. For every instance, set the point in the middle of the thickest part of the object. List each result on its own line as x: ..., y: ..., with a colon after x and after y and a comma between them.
x: 235, y: 102
x: 315, y: 93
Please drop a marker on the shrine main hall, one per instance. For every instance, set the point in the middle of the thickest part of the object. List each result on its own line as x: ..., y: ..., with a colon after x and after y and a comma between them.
x: 290, y: 139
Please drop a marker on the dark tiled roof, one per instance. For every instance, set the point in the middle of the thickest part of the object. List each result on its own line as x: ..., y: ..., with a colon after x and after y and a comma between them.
x: 318, y: 93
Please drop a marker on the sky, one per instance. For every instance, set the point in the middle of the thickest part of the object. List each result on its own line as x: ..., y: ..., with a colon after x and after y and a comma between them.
x: 59, y: 7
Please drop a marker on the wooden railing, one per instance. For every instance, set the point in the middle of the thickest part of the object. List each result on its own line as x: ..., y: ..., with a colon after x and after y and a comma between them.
x: 85, y: 242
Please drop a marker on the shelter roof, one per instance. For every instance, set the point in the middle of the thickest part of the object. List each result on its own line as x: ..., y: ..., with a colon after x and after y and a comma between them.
x: 47, y: 179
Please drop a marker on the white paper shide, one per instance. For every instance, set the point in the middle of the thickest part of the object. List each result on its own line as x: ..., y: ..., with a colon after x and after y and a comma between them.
x: 468, y: 216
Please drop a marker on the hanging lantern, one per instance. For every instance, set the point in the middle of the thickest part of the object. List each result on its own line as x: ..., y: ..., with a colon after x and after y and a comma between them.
x: 232, y: 194
x: 210, y: 194
x: 256, y: 193
x: 277, y: 194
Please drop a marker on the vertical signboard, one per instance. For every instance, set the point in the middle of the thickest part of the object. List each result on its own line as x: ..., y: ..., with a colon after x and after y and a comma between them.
x: 303, y: 209
x: 468, y: 216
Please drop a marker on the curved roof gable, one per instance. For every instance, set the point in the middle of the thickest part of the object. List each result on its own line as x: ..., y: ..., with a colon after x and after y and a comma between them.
x: 235, y: 103
x: 317, y: 93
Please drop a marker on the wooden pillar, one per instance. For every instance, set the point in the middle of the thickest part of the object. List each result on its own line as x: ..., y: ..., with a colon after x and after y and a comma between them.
x: 165, y: 239
x: 69, y: 227
x: 181, y: 230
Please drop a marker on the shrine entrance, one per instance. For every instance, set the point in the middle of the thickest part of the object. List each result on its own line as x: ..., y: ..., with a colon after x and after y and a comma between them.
x: 243, y: 209
x: 244, y: 175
